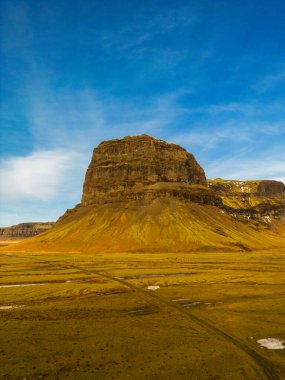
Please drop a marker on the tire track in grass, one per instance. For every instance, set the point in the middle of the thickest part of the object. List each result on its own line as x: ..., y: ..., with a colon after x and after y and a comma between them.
x: 258, y: 359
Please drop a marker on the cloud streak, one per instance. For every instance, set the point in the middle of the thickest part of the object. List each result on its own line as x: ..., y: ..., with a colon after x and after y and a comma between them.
x: 243, y: 168
x: 269, y: 82
x: 42, y: 175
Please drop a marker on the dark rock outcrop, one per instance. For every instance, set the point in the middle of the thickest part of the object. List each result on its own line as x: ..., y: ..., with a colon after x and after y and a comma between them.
x: 262, y: 200
x: 24, y: 230
x: 141, y: 168
x: 270, y: 188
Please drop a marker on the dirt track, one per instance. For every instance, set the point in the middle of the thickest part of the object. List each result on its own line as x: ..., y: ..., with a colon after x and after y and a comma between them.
x: 261, y: 363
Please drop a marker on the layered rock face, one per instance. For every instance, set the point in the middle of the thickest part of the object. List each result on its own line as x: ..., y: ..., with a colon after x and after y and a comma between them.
x: 145, y: 195
x: 24, y: 230
x: 270, y: 188
x: 141, y: 167
x: 261, y: 199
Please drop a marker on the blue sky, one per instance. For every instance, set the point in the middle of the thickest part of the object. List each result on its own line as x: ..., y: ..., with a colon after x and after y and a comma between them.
x: 208, y: 75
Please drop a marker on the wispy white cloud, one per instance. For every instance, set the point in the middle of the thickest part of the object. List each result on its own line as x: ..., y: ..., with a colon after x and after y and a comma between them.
x: 244, y: 168
x: 42, y: 175
x: 81, y: 119
x: 78, y: 120
x: 66, y: 119
x: 269, y: 82
x: 238, y: 133
x: 246, y: 109
x: 65, y: 126
x: 209, y: 139
x: 64, y: 123
x: 134, y: 40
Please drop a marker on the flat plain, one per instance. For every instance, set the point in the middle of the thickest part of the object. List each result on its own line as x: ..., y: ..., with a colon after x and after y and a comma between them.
x: 159, y: 316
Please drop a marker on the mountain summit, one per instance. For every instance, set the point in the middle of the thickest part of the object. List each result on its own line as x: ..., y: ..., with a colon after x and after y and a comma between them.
x: 144, y: 194
x: 133, y: 167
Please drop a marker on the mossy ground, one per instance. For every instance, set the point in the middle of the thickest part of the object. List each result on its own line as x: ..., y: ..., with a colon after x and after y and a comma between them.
x: 105, y: 324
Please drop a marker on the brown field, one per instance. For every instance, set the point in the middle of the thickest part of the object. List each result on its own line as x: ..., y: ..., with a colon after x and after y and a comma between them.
x: 92, y: 316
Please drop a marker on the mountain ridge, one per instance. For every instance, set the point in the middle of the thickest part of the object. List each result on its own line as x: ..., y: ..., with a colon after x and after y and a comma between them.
x: 23, y: 231
x: 144, y: 194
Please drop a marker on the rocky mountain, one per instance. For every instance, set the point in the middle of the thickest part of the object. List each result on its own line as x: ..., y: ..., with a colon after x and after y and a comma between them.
x: 143, y: 194
x: 139, y: 167
x: 24, y: 230
x: 262, y: 200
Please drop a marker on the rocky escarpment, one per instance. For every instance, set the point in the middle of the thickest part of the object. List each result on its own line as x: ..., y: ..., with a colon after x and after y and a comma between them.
x: 143, y: 168
x: 269, y: 188
x: 145, y: 195
x: 24, y: 230
x: 262, y: 199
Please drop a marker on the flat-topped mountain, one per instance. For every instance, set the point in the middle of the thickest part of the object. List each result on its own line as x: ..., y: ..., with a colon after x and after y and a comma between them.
x: 133, y: 167
x: 144, y: 194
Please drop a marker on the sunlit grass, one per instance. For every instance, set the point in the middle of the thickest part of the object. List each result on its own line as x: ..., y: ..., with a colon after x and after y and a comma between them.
x: 97, y: 327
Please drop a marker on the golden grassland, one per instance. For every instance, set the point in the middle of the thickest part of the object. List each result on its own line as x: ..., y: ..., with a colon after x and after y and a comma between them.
x: 91, y: 316
x: 5, y: 242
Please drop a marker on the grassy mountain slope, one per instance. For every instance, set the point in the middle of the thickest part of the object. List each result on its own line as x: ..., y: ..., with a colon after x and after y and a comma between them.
x: 165, y: 224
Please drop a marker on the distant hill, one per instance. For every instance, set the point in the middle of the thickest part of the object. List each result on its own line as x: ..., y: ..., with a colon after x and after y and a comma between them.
x: 144, y: 194
x: 22, y: 231
x: 263, y: 200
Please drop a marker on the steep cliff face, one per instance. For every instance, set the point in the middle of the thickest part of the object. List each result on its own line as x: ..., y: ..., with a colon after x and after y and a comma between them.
x: 143, y: 194
x: 269, y: 188
x: 139, y: 167
x: 24, y: 230
x: 261, y: 200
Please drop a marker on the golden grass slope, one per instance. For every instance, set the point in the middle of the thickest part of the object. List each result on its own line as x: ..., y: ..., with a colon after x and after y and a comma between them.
x: 163, y: 225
